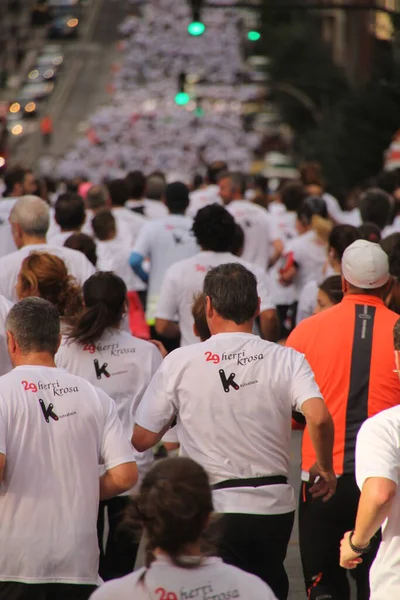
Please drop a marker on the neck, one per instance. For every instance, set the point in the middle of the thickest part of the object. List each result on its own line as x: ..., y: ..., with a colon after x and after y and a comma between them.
x: 39, y: 359
x: 222, y: 326
x: 189, y: 550
x: 27, y: 240
x: 77, y: 230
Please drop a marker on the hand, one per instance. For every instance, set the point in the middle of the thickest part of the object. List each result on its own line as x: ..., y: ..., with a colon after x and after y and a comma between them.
x: 348, y: 558
x: 160, y: 346
x: 324, y: 483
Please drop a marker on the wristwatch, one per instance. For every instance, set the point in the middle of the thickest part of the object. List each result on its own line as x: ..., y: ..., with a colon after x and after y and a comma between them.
x: 357, y: 549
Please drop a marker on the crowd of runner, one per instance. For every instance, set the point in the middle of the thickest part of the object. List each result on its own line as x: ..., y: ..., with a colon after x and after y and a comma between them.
x: 140, y: 320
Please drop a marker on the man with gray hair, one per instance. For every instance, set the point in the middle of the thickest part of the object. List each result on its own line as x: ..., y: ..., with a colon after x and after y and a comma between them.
x: 262, y: 245
x: 55, y: 429
x: 29, y: 220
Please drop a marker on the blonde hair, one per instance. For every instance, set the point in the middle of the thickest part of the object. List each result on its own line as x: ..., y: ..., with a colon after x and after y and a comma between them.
x: 46, y: 276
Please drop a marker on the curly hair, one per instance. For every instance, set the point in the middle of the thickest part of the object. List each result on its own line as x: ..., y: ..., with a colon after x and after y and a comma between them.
x: 214, y: 228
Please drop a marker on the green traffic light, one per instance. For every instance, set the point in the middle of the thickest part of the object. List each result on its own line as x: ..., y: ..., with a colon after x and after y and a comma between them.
x: 182, y: 98
x: 253, y: 36
x: 196, y: 28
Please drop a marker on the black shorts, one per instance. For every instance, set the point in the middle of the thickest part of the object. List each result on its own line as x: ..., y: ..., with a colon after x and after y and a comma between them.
x: 13, y: 590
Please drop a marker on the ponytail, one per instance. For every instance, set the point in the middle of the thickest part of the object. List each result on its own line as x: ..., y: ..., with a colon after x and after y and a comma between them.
x: 104, y: 295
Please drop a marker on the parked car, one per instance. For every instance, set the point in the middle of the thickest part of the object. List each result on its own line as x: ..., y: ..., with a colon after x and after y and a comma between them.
x: 63, y: 26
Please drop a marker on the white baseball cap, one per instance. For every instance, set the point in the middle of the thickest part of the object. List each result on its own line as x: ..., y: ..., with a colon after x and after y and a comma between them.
x: 365, y: 265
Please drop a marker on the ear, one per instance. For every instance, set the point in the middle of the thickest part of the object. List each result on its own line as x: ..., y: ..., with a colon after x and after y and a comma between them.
x: 397, y: 361
x: 11, y: 344
x: 258, y: 307
x: 345, y: 285
x: 209, y: 308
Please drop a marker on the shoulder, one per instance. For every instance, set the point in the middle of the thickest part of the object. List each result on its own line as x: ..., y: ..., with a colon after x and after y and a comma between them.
x: 387, y: 421
x: 180, y: 267
x: 122, y: 588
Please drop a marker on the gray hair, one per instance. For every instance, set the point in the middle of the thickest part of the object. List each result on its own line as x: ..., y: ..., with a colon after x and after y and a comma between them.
x: 31, y: 213
x: 97, y: 197
x: 155, y: 187
x: 35, y: 325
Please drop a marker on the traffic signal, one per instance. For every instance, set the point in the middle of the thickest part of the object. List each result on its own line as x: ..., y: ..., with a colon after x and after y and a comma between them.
x: 253, y: 36
x: 196, y: 27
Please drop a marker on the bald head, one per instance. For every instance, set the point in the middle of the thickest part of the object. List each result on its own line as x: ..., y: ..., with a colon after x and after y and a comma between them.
x: 30, y: 217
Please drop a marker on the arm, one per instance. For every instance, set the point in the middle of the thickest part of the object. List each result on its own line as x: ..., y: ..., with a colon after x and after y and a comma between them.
x: 277, y: 252
x: 136, y: 261
x: 143, y: 439
x: 118, y: 480
x: 377, y: 459
x: 168, y: 329
x: 269, y: 325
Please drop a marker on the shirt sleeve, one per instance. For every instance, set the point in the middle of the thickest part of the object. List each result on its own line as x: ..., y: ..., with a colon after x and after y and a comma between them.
x: 168, y: 305
x: 377, y: 450
x: 115, y: 448
x: 303, y: 384
x: 156, y: 407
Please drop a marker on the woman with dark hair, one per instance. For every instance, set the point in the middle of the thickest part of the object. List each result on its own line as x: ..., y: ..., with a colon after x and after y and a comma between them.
x: 175, y: 506
x: 97, y: 349
x: 46, y: 276
x: 83, y: 243
x: 329, y: 293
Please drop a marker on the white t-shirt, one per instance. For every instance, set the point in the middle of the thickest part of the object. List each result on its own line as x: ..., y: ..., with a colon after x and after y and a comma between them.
x: 378, y: 455
x: 307, y: 301
x: 59, y: 239
x: 203, y: 197
x: 259, y: 232
x: 77, y: 264
x: 7, y: 244
x: 55, y: 428
x: 122, y: 366
x: 113, y: 256
x: 152, y: 209
x: 310, y: 254
x: 284, y: 222
x: 164, y: 241
x: 212, y: 580
x: 185, y: 279
x: 128, y: 224
x: 5, y: 363
x: 233, y: 396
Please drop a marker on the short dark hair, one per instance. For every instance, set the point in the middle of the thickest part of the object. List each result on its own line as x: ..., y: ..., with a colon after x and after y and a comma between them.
x: 214, y: 228
x: 69, y: 211
x: 83, y: 243
x: 313, y: 205
x: 177, y: 197
x: 136, y: 184
x: 118, y: 191
x: 292, y: 194
x: 35, y: 325
x: 332, y: 286
x: 341, y: 237
x: 97, y: 197
x: 12, y: 177
x: 232, y: 290
x: 396, y: 335
x: 370, y: 232
x: 103, y: 223
x: 214, y: 170
x: 391, y: 243
x: 375, y: 205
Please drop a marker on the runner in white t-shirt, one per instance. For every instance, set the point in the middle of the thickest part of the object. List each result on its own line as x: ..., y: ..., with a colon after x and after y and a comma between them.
x: 214, y: 229
x: 175, y: 505
x: 129, y: 223
x: 377, y: 473
x: 69, y: 214
x: 151, y: 209
x: 233, y: 397
x: 29, y: 220
x: 306, y: 255
x: 262, y: 245
x: 164, y: 241
x: 210, y: 193
x: 55, y: 429
x: 122, y: 366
